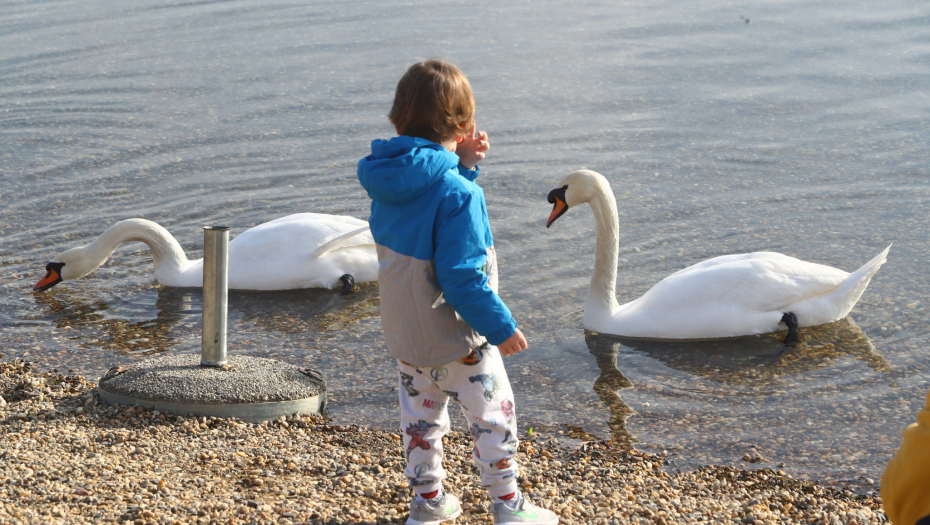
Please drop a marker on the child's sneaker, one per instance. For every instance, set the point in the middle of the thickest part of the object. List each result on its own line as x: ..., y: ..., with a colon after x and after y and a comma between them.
x: 422, y: 513
x: 522, y: 512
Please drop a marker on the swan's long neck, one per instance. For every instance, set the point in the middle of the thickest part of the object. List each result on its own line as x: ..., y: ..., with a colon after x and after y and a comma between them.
x: 602, y: 294
x: 170, y: 261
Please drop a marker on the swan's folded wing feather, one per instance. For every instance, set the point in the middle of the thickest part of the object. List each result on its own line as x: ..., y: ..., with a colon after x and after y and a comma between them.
x: 297, y: 237
x: 779, y: 259
x: 755, y: 284
x: 289, y: 253
x: 359, y: 237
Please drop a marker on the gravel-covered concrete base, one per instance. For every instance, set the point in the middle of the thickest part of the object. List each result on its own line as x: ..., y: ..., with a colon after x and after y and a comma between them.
x: 67, y: 458
x: 181, y: 379
x: 252, y: 389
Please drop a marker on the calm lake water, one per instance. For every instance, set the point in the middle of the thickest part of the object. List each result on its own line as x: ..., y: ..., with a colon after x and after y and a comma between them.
x: 723, y: 127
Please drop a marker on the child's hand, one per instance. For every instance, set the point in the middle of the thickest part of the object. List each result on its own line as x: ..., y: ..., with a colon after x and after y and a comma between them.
x: 471, y: 147
x: 514, y: 344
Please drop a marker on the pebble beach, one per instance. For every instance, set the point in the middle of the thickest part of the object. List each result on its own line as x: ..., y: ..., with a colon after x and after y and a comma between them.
x: 66, y: 457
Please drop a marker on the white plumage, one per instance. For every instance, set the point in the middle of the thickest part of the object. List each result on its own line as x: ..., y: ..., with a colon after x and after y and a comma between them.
x: 304, y: 250
x: 725, y: 296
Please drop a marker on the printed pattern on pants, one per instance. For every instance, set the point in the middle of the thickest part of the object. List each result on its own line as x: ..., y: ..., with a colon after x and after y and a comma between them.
x: 479, y: 384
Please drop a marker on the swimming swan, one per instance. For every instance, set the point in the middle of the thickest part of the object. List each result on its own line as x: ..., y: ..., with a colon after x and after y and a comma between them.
x: 304, y: 250
x: 730, y: 295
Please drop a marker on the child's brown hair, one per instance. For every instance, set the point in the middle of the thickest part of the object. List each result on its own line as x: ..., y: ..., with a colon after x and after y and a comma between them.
x: 433, y: 101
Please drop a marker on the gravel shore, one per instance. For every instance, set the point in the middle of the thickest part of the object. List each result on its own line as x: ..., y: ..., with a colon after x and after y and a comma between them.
x: 67, y: 458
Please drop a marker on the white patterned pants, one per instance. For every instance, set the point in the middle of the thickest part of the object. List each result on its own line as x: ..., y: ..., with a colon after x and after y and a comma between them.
x: 479, y: 383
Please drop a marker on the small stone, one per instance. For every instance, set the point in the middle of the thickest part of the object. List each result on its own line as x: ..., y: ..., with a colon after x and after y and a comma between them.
x: 369, y: 492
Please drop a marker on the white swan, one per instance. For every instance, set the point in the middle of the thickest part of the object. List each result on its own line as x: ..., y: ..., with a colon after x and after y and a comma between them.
x: 304, y: 250
x: 725, y: 296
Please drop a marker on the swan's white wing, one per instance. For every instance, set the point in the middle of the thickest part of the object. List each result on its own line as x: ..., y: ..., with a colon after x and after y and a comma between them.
x: 359, y: 237
x: 739, y: 295
x: 774, y: 257
x: 757, y: 282
x: 280, y: 254
x: 294, y: 237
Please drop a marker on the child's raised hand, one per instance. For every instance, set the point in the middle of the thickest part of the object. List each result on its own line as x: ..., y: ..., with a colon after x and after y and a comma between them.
x: 472, y: 147
x: 514, y: 344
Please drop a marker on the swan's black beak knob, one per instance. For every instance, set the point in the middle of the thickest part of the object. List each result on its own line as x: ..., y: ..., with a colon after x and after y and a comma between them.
x: 559, y: 207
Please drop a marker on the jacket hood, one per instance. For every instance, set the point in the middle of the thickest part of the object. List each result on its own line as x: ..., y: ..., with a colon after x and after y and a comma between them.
x: 403, y: 168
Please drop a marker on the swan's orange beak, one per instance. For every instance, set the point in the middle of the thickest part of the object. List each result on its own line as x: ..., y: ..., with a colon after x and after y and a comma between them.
x: 558, y: 208
x: 52, y: 277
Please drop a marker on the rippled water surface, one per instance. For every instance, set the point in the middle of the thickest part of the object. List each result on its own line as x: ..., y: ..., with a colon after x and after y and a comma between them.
x: 723, y: 127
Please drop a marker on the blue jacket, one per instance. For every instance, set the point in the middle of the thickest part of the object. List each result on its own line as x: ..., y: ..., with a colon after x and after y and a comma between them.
x: 437, y: 266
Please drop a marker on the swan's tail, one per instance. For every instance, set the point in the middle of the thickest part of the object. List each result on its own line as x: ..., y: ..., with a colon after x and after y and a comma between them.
x: 853, y: 287
x: 357, y: 237
x: 859, y: 279
x: 837, y: 302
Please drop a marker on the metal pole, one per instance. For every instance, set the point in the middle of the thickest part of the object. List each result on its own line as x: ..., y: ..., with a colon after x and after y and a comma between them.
x: 215, y: 286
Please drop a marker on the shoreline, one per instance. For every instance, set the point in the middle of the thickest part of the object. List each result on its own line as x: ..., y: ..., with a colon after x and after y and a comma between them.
x: 67, y: 458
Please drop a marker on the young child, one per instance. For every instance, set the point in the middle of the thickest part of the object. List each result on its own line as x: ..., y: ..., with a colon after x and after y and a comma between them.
x: 906, y: 481
x: 442, y: 318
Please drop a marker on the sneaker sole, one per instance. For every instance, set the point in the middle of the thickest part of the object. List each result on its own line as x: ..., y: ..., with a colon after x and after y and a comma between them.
x: 452, y: 516
x: 551, y: 522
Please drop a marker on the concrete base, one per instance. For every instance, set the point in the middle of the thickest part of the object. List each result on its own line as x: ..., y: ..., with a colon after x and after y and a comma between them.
x: 253, y: 389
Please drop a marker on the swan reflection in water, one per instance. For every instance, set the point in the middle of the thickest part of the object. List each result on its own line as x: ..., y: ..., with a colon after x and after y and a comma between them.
x: 133, y: 325
x: 609, y: 384
x: 99, y: 322
x: 740, y: 365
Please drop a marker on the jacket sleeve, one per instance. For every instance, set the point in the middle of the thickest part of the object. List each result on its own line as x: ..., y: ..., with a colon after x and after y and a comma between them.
x: 460, y: 257
x: 470, y: 174
x: 906, y: 481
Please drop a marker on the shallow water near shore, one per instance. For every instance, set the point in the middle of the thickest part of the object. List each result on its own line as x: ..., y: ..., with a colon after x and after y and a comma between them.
x: 795, y: 127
